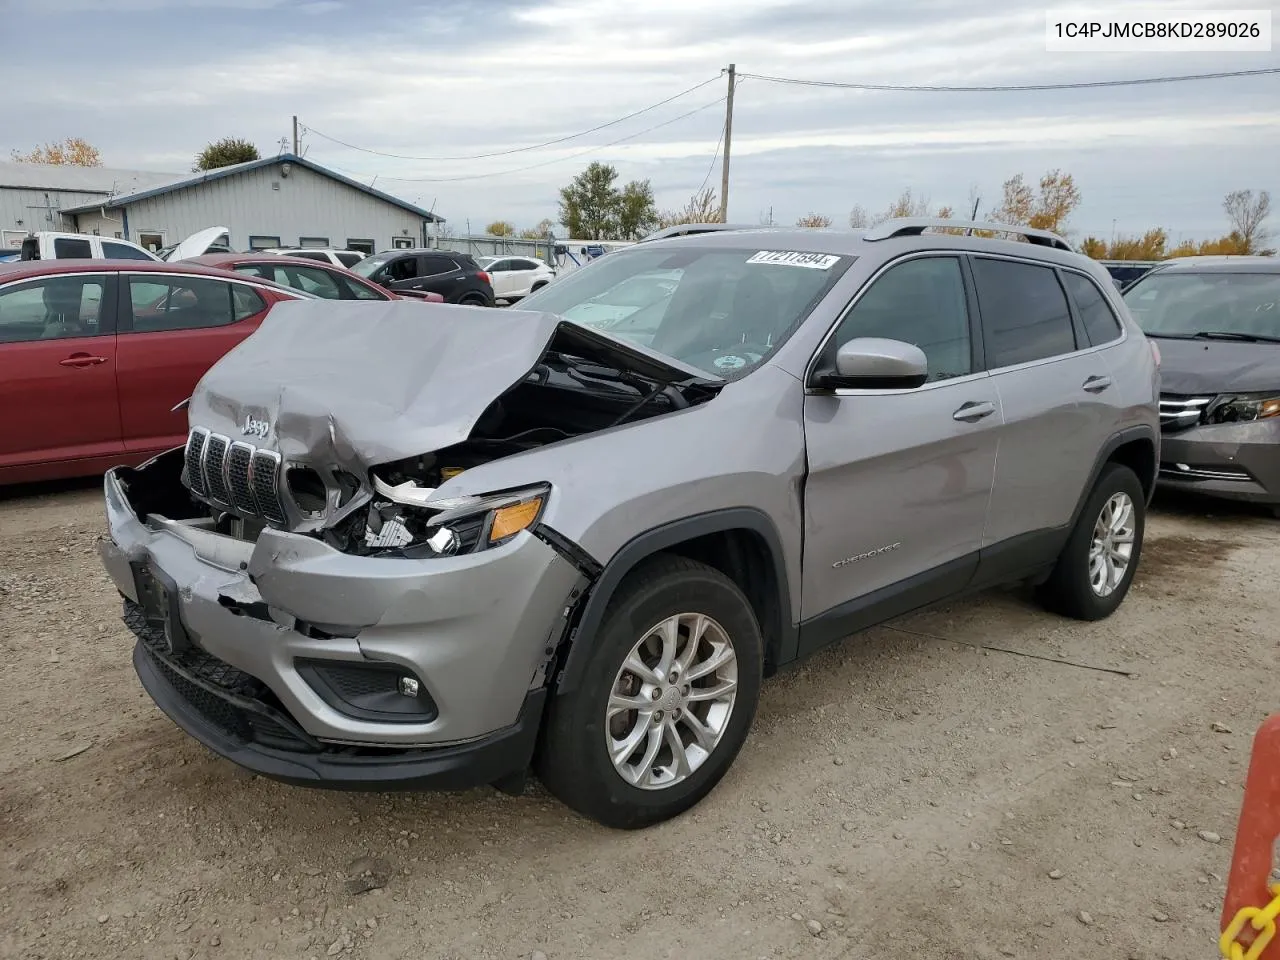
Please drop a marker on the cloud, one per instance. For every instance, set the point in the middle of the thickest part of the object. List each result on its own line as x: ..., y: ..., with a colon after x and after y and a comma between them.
x: 460, y: 77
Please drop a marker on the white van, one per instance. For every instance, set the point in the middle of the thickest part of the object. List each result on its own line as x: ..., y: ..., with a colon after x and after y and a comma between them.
x: 50, y: 245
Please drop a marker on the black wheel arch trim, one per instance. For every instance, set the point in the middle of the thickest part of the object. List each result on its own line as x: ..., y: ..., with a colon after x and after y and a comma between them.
x: 1118, y: 440
x: 645, y: 545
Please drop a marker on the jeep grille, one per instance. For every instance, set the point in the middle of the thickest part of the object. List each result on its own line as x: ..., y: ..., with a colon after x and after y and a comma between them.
x: 235, y: 475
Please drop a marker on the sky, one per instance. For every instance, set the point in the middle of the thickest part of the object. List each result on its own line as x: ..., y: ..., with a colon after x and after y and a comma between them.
x: 150, y: 82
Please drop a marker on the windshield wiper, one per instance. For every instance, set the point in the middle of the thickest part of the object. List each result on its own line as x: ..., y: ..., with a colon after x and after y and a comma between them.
x: 1230, y: 335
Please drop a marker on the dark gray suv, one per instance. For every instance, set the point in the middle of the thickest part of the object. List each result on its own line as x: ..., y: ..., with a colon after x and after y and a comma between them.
x: 400, y: 554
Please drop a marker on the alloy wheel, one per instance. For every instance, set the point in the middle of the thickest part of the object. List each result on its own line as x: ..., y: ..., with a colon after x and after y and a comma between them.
x: 1111, y: 549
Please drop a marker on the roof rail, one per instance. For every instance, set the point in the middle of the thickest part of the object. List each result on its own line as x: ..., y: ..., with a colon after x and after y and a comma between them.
x: 914, y: 226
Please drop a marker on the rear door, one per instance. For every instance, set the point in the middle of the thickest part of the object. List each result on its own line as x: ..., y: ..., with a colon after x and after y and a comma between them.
x: 57, y: 370
x: 172, y: 329
x: 1053, y: 387
x: 504, y: 277
x: 899, y: 480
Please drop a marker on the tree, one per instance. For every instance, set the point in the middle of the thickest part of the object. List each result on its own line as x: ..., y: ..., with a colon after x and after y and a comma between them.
x: 1017, y: 202
x: 225, y: 152
x: 906, y: 206
x: 1093, y: 247
x: 500, y: 228
x: 703, y: 207
x: 539, y: 231
x: 637, y: 214
x: 817, y: 220
x: 859, y: 219
x: 72, y: 151
x: 588, y: 205
x: 1247, y: 215
x: 1059, y: 196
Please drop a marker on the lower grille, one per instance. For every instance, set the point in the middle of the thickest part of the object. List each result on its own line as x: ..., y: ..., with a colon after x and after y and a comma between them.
x: 238, y: 704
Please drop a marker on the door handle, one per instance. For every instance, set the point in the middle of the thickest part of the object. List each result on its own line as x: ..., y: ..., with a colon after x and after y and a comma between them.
x: 81, y: 360
x: 1097, y: 384
x: 974, y: 411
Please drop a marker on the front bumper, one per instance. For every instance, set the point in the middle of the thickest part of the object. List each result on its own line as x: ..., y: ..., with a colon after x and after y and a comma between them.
x: 235, y: 639
x: 1238, y: 461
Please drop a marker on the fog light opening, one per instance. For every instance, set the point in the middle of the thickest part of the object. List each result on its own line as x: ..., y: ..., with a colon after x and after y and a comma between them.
x: 409, y: 687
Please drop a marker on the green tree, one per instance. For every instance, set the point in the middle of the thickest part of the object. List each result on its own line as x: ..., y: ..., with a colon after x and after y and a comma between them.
x: 500, y: 228
x: 225, y: 152
x: 73, y: 151
x: 589, y: 204
x: 637, y: 214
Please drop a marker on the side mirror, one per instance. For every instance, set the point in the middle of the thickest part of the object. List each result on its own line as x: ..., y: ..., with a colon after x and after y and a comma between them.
x: 872, y: 363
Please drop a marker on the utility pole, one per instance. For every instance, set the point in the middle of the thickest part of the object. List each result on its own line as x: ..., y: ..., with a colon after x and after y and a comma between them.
x: 728, y: 137
x: 295, y: 136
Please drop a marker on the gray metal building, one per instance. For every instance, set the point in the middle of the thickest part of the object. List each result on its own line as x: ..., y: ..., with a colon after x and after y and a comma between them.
x: 33, y: 195
x: 281, y: 201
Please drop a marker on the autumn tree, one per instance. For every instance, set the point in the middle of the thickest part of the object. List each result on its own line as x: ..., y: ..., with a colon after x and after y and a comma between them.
x: 1246, y: 214
x: 1017, y: 202
x: 225, y: 152
x: 1047, y: 208
x: 500, y: 228
x: 906, y: 205
x: 540, y: 231
x: 859, y: 219
x: 73, y: 151
x: 816, y: 220
x: 1094, y: 247
x: 702, y: 207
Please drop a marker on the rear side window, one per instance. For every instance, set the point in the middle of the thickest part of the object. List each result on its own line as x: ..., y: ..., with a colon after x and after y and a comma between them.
x: 433, y: 266
x: 1099, y: 322
x: 52, y: 309
x: 349, y: 259
x: 189, y: 303
x: 72, y: 248
x: 121, y: 251
x: 1024, y: 312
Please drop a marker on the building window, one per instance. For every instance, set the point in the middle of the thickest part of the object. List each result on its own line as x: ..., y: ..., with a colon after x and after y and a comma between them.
x: 402, y: 243
x: 313, y: 242
x: 364, y: 246
x: 150, y: 241
x: 264, y: 243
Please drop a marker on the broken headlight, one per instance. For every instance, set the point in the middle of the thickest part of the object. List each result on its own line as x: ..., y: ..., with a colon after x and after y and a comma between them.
x: 1242, y: 408
x: 406, y: 520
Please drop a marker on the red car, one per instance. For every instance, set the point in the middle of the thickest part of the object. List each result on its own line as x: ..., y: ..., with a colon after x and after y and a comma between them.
x: 96, y: 354
x: 310, y: 276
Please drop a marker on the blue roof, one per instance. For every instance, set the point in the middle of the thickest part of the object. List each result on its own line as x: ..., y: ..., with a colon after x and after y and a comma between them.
x: 209, y: 176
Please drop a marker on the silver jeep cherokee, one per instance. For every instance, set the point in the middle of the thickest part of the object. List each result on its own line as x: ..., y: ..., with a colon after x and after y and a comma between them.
x: 408, y: 549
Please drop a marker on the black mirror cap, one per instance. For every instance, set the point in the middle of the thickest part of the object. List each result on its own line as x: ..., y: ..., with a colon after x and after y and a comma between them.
x: 830, y: 380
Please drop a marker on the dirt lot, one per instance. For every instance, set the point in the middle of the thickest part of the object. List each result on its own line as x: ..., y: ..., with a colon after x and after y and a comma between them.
x: 912, y: 793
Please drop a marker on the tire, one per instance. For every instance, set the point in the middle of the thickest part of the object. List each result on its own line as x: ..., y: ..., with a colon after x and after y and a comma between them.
x: 574, y: 760
x: 473, y: 300
x: 536, y: 287
x: 1075, y: 589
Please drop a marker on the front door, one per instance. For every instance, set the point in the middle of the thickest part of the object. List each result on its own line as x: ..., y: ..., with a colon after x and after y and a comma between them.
x: 899, y: 480
x: 58, y: 370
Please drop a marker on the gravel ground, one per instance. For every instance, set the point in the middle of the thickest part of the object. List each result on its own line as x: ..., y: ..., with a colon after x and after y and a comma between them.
x: 912, y: 793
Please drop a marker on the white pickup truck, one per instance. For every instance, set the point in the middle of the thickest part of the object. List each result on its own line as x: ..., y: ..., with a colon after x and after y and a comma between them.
x: 51, y: 245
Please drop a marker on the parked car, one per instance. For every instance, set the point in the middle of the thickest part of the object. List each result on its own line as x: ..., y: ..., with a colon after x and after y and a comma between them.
x: 339, y: 258
x: 455, y: 276
x: 208, y: 240
x: 96, y: 354
x: 1125, y: 272
x: 516, y: 277
x: 1217, y: 322
x: 506, y: 538
x: 52, y: 245
x: 318, y: 279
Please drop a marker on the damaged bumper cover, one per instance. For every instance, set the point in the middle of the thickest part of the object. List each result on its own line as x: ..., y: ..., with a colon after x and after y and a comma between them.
x: 309, y: 665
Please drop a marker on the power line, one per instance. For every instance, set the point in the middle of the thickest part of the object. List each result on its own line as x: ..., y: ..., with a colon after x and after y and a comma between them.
x: 525, y: 149
x: 547, y: 163
x: 715, y: 156
x: 1084, y: 85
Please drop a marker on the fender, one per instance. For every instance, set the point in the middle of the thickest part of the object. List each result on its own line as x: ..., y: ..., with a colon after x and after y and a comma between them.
x: 1116, y: 441
x: 661, y: 538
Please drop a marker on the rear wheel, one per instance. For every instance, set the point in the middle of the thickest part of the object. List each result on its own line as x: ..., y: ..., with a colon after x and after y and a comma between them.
x: 1096, y: 567
x: 665, y: 702
x: 473, y: 300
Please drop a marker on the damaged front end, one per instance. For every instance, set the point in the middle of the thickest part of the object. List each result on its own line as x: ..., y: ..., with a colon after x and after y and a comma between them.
x: 273, y: 567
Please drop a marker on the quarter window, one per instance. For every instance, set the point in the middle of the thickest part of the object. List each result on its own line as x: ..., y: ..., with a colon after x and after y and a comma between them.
x: 189, y: 303
x: 52, y: 309
x: 1024, y: 312
x: 72, y: 248
x: 920, y: 301
x: 121, y: 251
x: 1100, y: 322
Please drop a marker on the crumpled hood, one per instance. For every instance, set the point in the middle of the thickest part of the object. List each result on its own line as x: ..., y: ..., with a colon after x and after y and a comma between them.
x: 1203, y: 367
x: 362, y: 383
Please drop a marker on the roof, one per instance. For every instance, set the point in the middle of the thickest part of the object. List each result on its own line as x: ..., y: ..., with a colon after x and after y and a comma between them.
x: 22, y: 269
x: 1211, y: 264
x: 73, y: 179
x: 209, y: 176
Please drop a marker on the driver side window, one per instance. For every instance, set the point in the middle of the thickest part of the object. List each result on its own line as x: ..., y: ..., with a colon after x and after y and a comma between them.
x: 920, y: 301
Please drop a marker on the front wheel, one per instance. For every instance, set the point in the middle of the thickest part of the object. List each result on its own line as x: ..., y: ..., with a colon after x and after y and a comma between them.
x: 1096, y: 567
x: 665, y: 701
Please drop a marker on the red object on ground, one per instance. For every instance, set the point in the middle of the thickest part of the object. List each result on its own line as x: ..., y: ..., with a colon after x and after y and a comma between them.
x: 1248, y: 884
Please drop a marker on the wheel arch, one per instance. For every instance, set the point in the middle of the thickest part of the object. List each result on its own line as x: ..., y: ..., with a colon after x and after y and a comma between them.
x: 741, y: 542
x: 1136, y: 448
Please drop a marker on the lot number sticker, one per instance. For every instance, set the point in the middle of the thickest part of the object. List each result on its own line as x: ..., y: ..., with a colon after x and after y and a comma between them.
x: 791, y: 258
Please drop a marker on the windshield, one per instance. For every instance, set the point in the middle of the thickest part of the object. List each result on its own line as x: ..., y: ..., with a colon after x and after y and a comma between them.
x: 368, y: 265
x: 721, y: 311
x: 1186, y: 304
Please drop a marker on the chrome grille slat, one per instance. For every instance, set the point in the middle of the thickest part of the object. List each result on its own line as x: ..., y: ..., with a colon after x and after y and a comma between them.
x: 236, y: 475
x: 1179, y: 412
